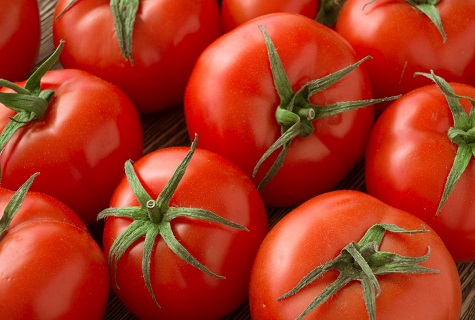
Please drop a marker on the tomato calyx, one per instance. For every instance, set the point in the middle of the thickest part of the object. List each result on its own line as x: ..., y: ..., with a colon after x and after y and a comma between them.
x: 14, y: 204
x: 30, y: 103
x: 295, y: 113
x: 462, y: 133
x: 124, y: 13
x: 153, y: 218
x: 362, y: 262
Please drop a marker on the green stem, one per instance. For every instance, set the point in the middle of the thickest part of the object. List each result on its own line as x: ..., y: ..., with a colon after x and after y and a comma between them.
x: 363, y: 262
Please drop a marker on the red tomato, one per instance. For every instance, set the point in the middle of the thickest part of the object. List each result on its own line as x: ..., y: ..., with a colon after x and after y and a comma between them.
x: 236, y: 12
x: 403, y: 40
x: 408, y: 160
x: 19, y: 38
x: 182, y: 291
x: 50, y: 267
x: 79, y: 146
x: 168, y: 37
x: 231, y: 103
x: 317, y: 231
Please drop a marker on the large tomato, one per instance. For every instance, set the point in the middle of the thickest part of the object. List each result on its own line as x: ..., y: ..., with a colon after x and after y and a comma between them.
x: 332, y: 225
x: 167, y: 38
x: 50, y: 266
x: 19, y: 38
x: 236, y: 12
x: 403, y: 40
x: 409, y: 158
x: 182, y: 290
x: 231, y: 102
x: 88, y: 129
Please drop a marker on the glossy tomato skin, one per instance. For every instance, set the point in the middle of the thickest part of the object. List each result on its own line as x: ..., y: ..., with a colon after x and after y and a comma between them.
x: 90, y: 129
x: 402, y: 40
x: 316, y: 231
x: 409, y: 157
x: 231, y: 101
x: 236, y: 12
x: 184, y: 292
x: 19, y: 38
x: 50, y: 266
x: 168, y: 38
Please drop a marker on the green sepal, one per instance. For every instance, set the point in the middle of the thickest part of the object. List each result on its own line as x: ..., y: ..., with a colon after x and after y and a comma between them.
x: 295, y: 113
x: 124, y: 13
x: 362, y: 262
x: 428, y: 8
x: 72, y: 3
x: 152, y: 218
x: 33, y: 84
x: 14, y: 204
x: 16, y: 122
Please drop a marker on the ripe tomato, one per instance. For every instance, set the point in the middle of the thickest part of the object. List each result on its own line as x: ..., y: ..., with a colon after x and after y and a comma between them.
x: 168, y: 37
x: 231, y: 103
x: 408, y: 160
x: 403, y: 40
x: 317, y: 231
x: 19, y: 38
x: 50, y: 267
x: 236, y: 12
x: 80, y: 144
x: 182, y: 290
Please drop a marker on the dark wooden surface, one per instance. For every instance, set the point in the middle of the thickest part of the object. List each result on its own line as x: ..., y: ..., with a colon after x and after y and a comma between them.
x: 167, y: 128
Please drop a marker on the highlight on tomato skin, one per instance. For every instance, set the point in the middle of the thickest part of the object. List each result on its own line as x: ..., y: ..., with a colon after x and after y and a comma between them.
x: 326, y: 226
x: 50, y: 266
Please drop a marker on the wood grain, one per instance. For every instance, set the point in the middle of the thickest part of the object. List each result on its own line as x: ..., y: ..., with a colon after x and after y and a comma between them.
x: 168, y: 128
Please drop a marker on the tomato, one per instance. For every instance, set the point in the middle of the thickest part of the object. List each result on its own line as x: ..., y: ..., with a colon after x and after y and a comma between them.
x: 403, y: 40
x: 50, y: 266
x: 19, y: 39
x: 168, y: 37
x: 231, y: 103
x: 408, y: 161
x: 183, y: 291
x: 79, y: 145
x: 325, y: 226
x: 236, y: 12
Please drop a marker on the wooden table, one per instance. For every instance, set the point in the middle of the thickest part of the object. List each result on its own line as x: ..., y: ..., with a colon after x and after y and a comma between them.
x: 167, y: 128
